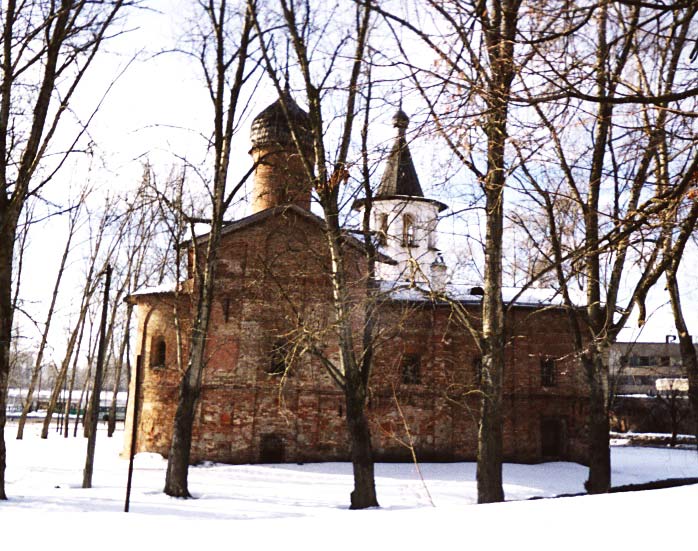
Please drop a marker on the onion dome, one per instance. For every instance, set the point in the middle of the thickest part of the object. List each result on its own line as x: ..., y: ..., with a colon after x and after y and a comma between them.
x: 271, y: 127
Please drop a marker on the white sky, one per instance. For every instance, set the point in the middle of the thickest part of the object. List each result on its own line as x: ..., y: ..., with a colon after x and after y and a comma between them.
x: 158, y: 110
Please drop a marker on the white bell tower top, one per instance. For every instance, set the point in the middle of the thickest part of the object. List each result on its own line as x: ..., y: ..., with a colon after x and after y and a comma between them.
x: 403, y: 221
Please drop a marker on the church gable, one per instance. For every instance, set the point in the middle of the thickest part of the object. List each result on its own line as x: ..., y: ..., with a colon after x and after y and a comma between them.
x: 282, y: 246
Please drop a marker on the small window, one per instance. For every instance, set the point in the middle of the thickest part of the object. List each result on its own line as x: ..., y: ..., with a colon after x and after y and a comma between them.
x: 664, y: 361
x: 158, y: 354
x: 382, y: 236
x: 226, y: 310
x: 411, y: 364
x: 547, y: 371
x: 477, y: 367
x: 431, y: 237
x: 409, y: 237
x: 190, y: 263
x: 278, y: 359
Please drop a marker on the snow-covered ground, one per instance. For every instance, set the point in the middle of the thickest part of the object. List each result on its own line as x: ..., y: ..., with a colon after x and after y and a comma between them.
x: 305, y: 506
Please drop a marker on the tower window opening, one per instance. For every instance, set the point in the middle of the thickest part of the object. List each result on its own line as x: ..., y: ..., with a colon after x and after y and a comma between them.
x: 226, y: 309
x: 431, y: 235
x: 409, y: 231
x: 382, y: 236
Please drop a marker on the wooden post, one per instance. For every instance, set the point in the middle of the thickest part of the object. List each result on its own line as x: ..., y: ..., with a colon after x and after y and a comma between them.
x: 134, y: 427
x: 97, y: 388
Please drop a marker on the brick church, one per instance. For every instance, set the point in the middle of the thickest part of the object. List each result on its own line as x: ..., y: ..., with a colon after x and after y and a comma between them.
x: 265, y: 398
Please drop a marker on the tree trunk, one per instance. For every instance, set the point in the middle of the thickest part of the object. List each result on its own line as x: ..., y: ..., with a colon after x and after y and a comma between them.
x: 97, y: 390
x: 489, y: 439
x: 53, y: 400
x: 83, y: 393
x: 364, y: 493
x: 500, y: 36
x: 71, y: 386
x: 63, y: 373
x: 6, y: 313
x: 686, y: 346
x: 599, y: 480
x: 489, y: 457
x: 176, y: 479
x: 44, y: 337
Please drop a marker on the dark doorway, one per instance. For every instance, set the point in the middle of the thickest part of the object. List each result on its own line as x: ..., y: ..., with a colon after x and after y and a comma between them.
x: 552, y: 437
x: 271, y: 449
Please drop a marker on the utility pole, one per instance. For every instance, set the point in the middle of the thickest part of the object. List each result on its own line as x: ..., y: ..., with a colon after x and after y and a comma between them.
x: 97, y: 387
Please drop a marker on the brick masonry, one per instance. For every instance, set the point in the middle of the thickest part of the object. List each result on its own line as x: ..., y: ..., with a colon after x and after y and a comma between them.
x: 273, y: 272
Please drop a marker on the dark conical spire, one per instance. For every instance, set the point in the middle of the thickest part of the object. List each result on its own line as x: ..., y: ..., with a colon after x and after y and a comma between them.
x: 400, y: 176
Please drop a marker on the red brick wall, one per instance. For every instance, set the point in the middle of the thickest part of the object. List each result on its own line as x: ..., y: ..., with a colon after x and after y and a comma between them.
x: 272, y: 274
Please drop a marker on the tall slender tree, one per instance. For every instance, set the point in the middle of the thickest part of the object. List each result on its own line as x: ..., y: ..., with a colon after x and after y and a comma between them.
x: 47, y: 48
x: 623, y: 105
x: 301, y: 24
x: 482, y: 50
x: 226, y: 40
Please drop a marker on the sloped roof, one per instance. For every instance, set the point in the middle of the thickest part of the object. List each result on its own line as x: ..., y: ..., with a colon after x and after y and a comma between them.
x: 468, y: 293
x: 400, y: 180
x: 400, y: 176
x: 284, y: 210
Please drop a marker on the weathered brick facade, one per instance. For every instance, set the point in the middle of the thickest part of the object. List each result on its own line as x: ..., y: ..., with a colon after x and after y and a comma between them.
x: 265, y: 397
x: 273, y: 270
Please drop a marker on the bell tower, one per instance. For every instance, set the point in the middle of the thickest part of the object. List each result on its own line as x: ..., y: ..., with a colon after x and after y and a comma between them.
x: 403, y: 220
x: 280, y: 177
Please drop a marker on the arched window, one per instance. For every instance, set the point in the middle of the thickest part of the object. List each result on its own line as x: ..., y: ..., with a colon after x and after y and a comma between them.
x: 158, y: 352
x: 409, y: 231
x: 547, y: 371
x: 382, y: 236
x: 431, y: 234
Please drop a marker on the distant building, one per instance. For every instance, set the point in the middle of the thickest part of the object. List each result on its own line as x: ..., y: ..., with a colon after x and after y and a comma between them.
x: 649, y: 388
x: 265, y: 398
x: 636, y: 366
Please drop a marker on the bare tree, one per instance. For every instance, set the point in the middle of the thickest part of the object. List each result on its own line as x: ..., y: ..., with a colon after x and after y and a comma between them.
x: 47, y: 49
x: 482, y: 52
x: 616, y: 253
x: 680, y: 220
x: 300, y: 23
x: 224, y: 54
x: 38, y: 364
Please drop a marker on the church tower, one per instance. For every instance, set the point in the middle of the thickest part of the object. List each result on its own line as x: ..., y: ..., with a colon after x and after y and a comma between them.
x: 403, y: 220
x: 280, y: 178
